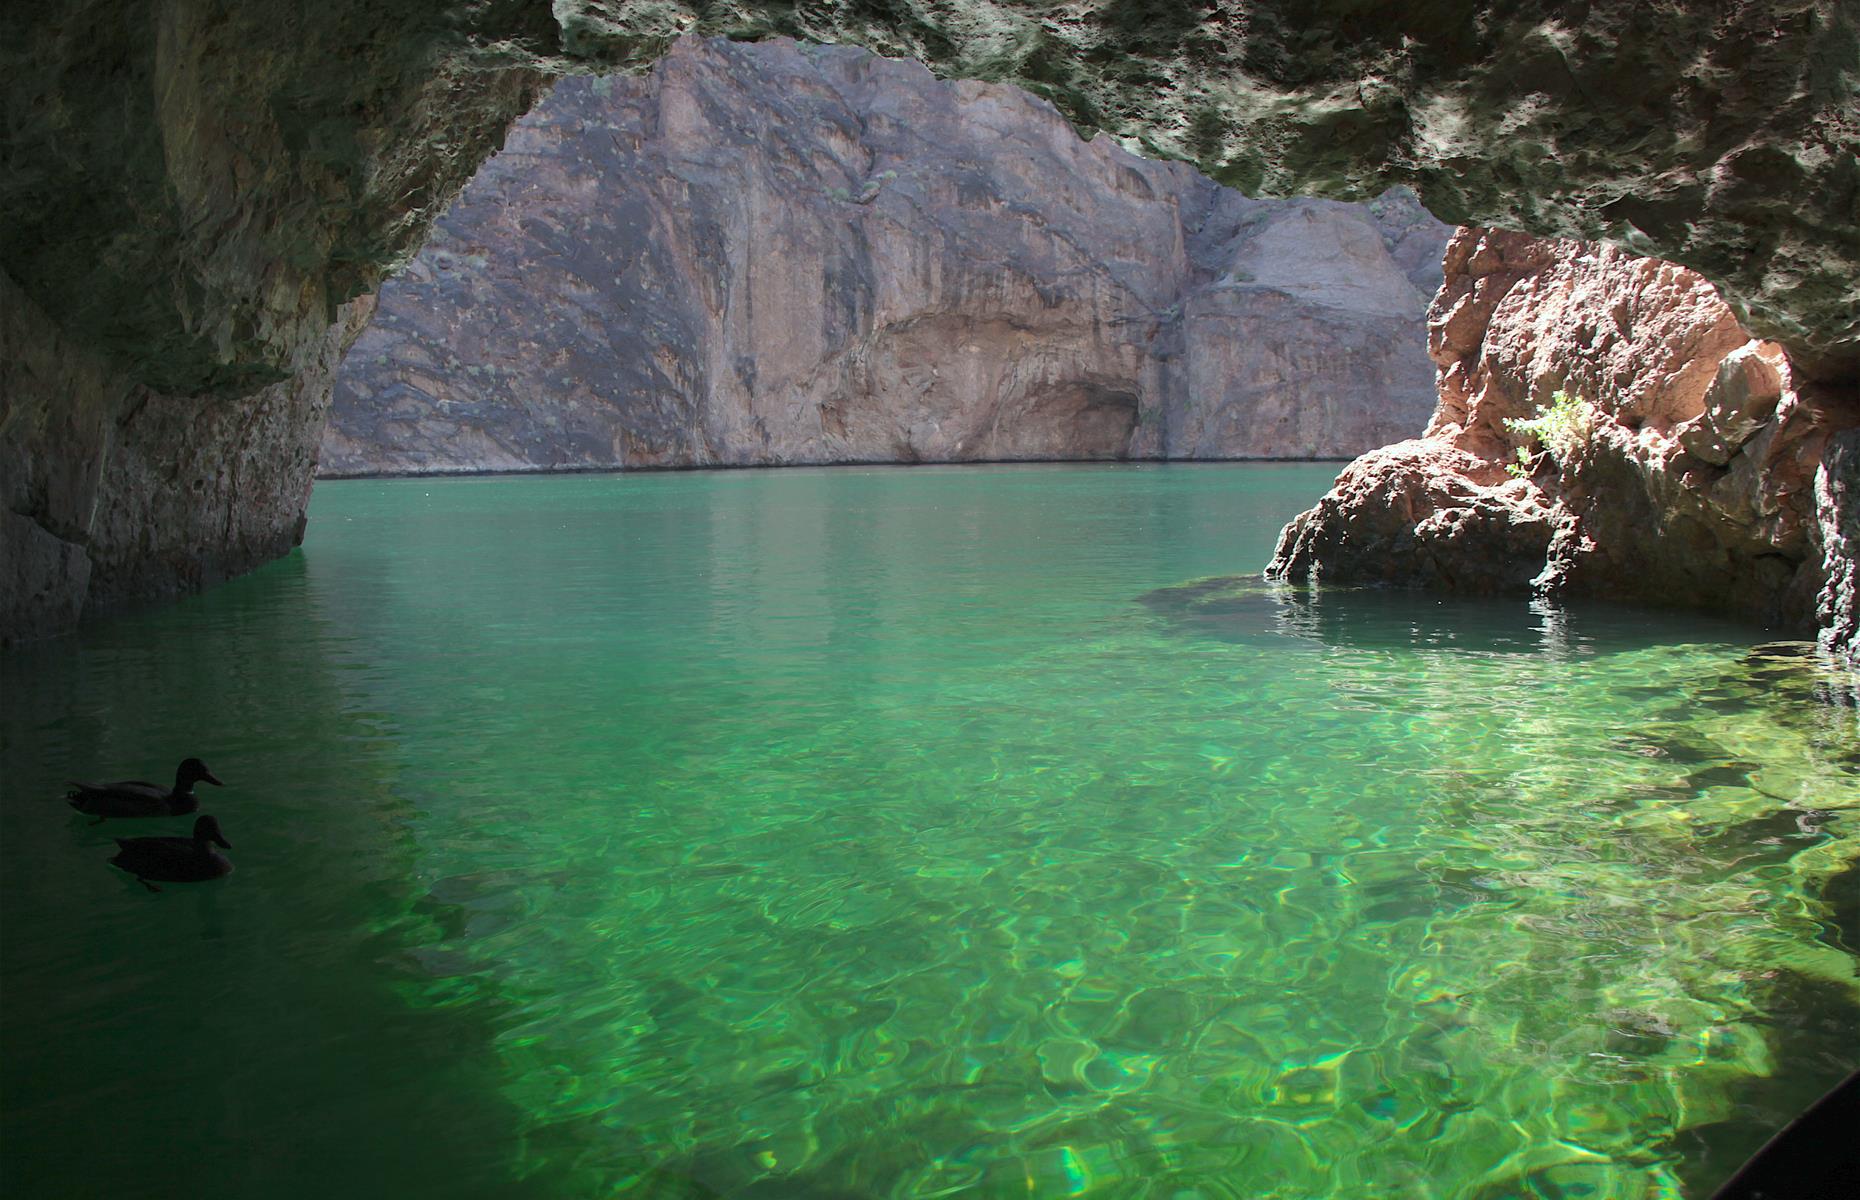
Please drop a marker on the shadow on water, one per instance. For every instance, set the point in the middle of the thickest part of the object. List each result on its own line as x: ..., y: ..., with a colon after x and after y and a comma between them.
x: 749, y: 875
x: 1249, y: 609
x: 246, y: 1037
x: 1813, y: 1028
x: 1840, y: 896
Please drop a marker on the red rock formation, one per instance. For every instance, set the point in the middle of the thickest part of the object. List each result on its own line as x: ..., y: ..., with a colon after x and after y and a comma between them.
x: 1691, y: 477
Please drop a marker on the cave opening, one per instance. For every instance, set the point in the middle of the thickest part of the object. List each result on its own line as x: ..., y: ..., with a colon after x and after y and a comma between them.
x: 973, y: 827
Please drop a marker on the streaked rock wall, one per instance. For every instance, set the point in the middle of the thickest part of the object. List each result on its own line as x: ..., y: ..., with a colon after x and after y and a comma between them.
x: 772, y: 253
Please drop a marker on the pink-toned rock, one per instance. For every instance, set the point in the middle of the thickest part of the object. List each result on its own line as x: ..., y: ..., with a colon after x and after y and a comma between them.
x: 194, y: 191
x: 1737, y: 404
x: 1692, y: 479
x: 1420, y: 513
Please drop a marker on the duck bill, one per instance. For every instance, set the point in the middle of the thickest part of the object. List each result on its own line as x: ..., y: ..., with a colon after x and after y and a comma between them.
x: 211, y: 778
x: 221, y: 842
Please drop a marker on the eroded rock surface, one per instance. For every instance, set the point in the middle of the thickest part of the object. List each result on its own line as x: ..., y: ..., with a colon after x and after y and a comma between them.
x: 272, y: 165
x: 772, y: 253
x: 1837, y: 495
x: 136, y: 493
x: 1692, y: 474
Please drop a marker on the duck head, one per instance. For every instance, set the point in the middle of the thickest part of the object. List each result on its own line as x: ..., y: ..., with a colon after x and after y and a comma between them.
x: 207, y: 829
x: 190, y: 772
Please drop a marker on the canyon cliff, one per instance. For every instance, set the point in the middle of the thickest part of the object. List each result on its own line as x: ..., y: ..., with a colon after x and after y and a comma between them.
x: 198, y: 195
x: 775, y: 253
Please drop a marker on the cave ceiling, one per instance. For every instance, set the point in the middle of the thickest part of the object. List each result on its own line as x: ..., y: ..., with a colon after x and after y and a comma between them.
x: 194, y: 186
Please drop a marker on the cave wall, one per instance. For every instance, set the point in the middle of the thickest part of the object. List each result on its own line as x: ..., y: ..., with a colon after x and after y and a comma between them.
x: 195, y: 185
x: 766, y: 253
x: 1721, y: 136
x: 1837, y: 510
x: 199, y: 201
x: 195, y: 189
x: 117, y: 492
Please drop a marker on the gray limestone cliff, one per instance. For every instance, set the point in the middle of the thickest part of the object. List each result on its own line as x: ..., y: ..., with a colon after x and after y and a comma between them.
x: 774, y: 253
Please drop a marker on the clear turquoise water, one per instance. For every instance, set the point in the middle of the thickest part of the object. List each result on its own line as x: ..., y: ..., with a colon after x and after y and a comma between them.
x: 886, y: 833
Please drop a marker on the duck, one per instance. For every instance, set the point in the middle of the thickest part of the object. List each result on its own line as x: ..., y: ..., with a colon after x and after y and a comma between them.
x: 176, y: 859
x: 135, y: 798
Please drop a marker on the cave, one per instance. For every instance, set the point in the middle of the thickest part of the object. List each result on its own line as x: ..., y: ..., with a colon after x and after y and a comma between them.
x: 204, y: 201
x: 269, y: 202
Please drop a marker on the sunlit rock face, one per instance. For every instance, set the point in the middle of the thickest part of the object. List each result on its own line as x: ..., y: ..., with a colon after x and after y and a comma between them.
x: 195, y: 191
x: 1837, y: 500
x: 1722, y: 136
x: 1693, y: 475
x: 195, y: 187
x: 772, y: 253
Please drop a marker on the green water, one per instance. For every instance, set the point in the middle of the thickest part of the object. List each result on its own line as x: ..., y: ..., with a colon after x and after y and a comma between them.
x: 886, y: 833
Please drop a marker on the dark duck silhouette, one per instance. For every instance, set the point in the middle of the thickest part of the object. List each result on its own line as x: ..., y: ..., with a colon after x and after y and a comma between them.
x: 176, y: 859
x: 135, y: 798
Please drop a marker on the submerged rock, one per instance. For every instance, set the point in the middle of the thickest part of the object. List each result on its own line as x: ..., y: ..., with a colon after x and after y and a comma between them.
x: 777, y: 253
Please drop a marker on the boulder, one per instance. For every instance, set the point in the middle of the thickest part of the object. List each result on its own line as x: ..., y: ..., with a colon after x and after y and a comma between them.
x: 1694, y: 474
x: 197, y: 193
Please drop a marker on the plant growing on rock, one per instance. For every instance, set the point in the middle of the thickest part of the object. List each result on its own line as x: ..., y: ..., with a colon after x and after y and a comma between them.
x: 1561, y: 428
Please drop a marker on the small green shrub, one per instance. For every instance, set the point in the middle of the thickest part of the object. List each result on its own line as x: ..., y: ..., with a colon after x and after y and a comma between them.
x: 1562, y: 427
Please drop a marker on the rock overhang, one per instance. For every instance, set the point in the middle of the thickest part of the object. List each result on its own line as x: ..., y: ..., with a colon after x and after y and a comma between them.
x: 195, y: 189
